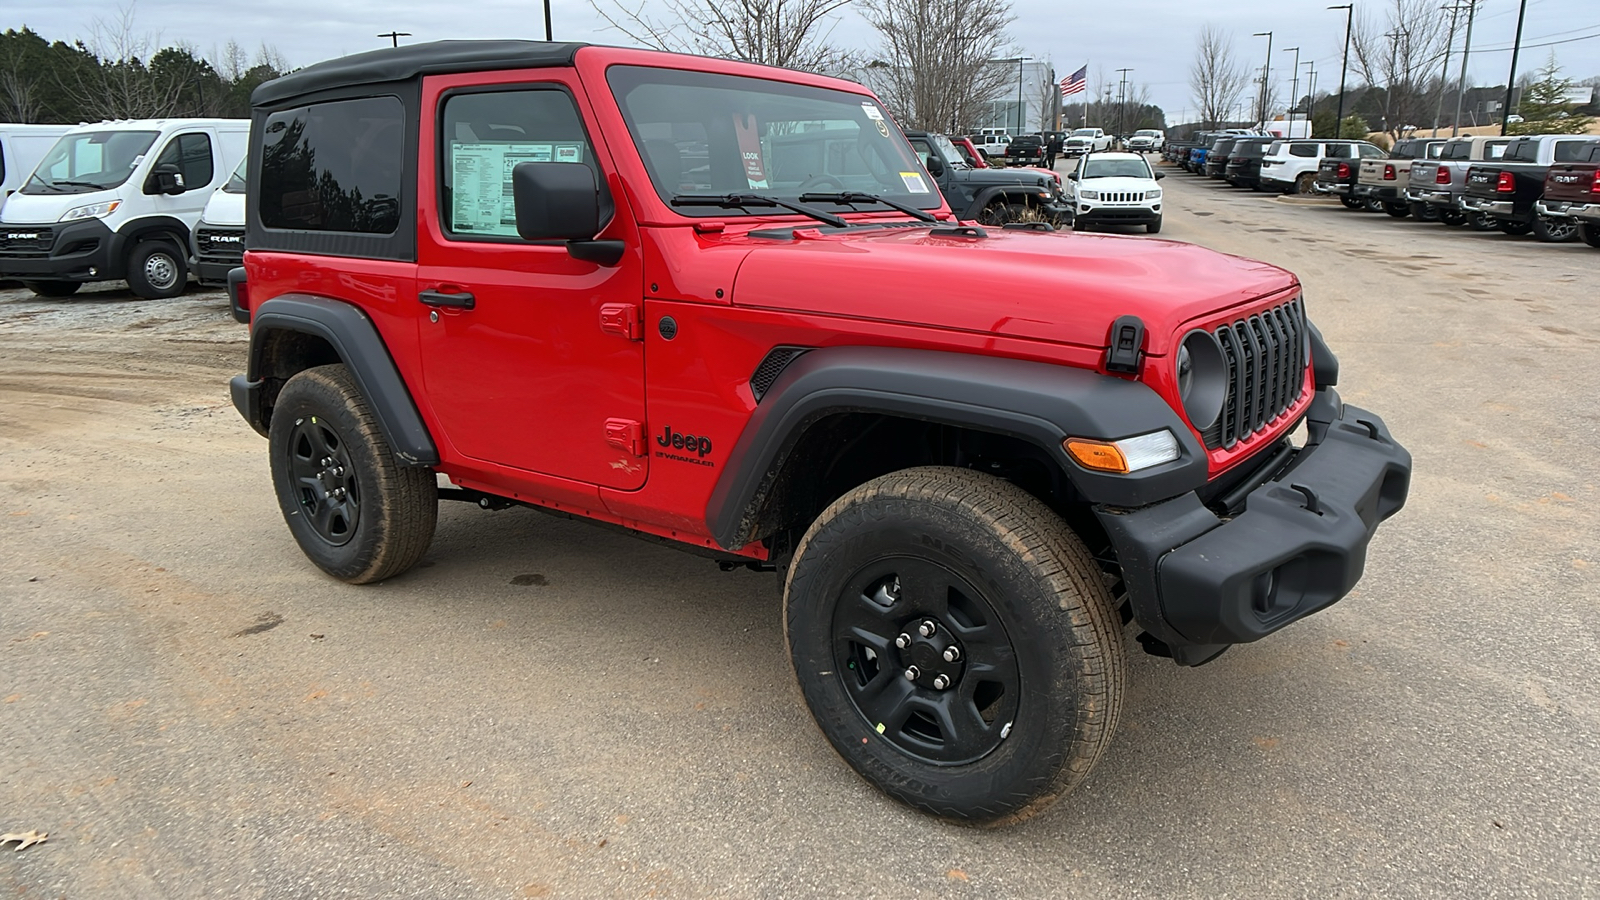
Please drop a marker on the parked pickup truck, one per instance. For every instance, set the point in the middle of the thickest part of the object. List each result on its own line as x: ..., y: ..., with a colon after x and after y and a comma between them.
x: 1508, y: 189
x: 1381, y: 184
x: 1086, y: 140
x: 1337, y: 174
x: 1572, y: 191
x: 990, y: 196
x: 1436, y: 183
x: 992, y: 144
x: 644, y: 290
x: 1025, y: 150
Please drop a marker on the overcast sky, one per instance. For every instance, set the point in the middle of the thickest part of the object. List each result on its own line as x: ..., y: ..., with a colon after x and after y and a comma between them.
x: 1154, y: 37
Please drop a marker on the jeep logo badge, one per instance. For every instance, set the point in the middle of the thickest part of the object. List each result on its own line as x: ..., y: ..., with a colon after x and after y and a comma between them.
x: 669, y: 438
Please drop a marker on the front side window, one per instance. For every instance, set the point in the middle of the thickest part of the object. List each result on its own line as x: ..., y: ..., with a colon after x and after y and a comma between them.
x: 89, y: 161
x: 485, y: 135
x: 702, y: 134
x: 190, y: 154
x: 335, y: 166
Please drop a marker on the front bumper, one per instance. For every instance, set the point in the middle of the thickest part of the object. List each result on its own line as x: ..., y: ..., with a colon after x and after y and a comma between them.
x: 74, y: 251
x: 1503, y: 209
x: 1125, y: 215
x: 1566, y: 209
x: 1200, y: 582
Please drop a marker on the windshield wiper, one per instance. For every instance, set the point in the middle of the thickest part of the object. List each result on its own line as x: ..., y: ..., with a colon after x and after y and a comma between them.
x: 744, y: 201
x: 854, y: 197
x: 88, y: 184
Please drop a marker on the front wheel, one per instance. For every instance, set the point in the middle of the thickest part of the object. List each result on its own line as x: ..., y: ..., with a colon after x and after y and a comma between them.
x: 157, y: 270
x: 956, y: 643
x: 1153, y: 227
x: 1591, y: 233
x: 1553, y: 230
x: 53, y: 288
x: 354, y: 510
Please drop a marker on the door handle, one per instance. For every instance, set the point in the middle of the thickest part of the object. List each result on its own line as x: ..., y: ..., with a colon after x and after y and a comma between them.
x: 463, y: 300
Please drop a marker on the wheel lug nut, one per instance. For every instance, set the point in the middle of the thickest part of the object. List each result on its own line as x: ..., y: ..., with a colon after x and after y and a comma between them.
x: 903, y: 641
x: 940, y: 682
x: 913, y: 673
x: 951, y: 654
x: 927, y: 628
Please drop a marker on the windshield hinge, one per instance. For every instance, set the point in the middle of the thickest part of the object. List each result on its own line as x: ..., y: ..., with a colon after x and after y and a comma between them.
x: 1125, y: 347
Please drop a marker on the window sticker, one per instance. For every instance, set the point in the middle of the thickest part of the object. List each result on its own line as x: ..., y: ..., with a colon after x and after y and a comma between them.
x: 914, y: 182
x: 481, y: 201
x: 872, y: 112
x: 755, y: 166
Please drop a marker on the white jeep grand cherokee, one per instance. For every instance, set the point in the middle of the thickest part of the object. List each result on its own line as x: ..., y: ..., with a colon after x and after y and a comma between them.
x: 1115, y: 188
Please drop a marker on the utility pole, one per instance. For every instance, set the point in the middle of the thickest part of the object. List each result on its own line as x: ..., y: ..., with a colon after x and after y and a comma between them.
x: 547, y: 36
x: 1122, y: 100
x: 1344, y: 68
x: 1511, y: 80
x: 1294, y: 88
x: 1311, y: 97
x: 395, y: 36
x: 1020, y: 61
x: 1266, y: 73
x: 1466, y: 51
x: 1444, y: 74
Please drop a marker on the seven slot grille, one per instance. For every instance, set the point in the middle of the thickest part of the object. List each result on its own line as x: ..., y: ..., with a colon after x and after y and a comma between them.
x: 1122, y: 196
x: 1267, y: 355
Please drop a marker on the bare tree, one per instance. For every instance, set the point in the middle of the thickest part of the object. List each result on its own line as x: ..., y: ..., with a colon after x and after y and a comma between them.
x: 794, y: 34
x: 1400, y: 49
x: 120, y: 86
x: 1216, y: 77
x: 20, y: 99
x: 944, y: 54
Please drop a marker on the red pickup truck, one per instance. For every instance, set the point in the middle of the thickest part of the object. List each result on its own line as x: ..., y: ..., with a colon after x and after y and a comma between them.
x: 1572, y: 192
x: 724, y: 306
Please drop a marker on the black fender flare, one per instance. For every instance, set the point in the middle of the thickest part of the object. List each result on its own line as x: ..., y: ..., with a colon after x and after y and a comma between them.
x: 360, y: 347
x: 136, y: 230
x: 1026, y: 193
x: 1038, y: 402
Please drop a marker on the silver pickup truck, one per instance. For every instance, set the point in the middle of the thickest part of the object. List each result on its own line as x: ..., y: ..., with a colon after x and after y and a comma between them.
x: 1382, y: 182
x: 1436, y: 183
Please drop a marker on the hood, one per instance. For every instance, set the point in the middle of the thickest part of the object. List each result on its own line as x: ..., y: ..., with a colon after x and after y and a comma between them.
x: 1060, y: 287
x: 47, y: 209
x: 224, y: 209
x: 983, y: 177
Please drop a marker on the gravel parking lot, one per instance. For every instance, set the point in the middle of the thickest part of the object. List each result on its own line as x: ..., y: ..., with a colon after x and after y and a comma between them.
x: 190, y: 709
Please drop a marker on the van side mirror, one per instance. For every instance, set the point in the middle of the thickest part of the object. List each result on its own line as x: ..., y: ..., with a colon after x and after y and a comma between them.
x: 562, y: 201
x: 935, y: 167
x: 164, y: 179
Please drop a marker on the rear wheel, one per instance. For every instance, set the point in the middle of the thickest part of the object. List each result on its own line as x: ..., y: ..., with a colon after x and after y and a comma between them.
x: 1554, y: 230
x: 1452, y: 217
x: 157, y: 270
x: 1398, y: 210
x: 53, y: 288
x: 1306, y: 183
x: 1481, y: 221
x: 1515, y: 228
x: 354, y: 510
x: 1591, y: 233
x: 1349, y: 202
x: 1372, y: 204
x: 1424, y: 212
x: 956, y: 643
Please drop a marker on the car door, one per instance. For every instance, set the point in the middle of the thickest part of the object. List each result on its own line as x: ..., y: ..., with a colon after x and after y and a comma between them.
x: 531, y: 358
x: 193, y: 153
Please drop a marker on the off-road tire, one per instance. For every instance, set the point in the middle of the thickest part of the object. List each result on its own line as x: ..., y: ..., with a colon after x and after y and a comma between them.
x: 1514, y: 228
x: 1398, y: 210
x: 1553, y: 230
x: 1153, y: 227
x: 319, y: 415
x: 1350, y: 202
x: 1590, y: 231
x: 53, y: 288
x: 995, y: 568
x: 157, y: 270
x: 1305, y: 184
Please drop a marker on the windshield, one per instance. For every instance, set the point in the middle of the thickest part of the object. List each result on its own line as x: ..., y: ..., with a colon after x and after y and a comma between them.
x: 1083, y: 132
x: 89, y: 161
x: 1115, y: 168
x: 235, y: 184
x: 702, y: 134
x: 1146, y: 132
x: 948, y: 150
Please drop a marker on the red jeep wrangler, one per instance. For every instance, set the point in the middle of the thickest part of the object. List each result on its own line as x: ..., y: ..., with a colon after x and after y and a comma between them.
x: 724, y: 305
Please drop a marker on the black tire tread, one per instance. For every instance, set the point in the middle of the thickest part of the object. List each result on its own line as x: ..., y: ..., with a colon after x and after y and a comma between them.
x: 1043, y: 541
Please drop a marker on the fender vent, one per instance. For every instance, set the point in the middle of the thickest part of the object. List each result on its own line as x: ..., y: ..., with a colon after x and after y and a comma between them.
x: 771, y: 367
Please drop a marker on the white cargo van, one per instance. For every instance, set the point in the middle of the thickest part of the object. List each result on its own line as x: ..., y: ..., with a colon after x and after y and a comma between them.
x: 21, y: 148
x: 117, y: 200
x: 219, y: 237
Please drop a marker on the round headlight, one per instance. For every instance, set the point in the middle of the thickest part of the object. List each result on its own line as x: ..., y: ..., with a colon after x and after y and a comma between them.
x: 1202, y: 375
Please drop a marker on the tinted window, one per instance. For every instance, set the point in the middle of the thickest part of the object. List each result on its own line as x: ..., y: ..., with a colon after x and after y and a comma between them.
x: 1307, y: 150
x: 1456, y: 150
x: 1572, y: 151
x: 1339, y: 151
x: 1523, y: 151
x: 485, y: 136
x: 334, y: 166
x: 1370, y: 152
x: 191, y: 153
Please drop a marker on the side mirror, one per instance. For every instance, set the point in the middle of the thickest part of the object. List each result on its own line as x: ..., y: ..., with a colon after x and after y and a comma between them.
x: 1072, y: 176
x: 164, y: 179
x: 563, y: 202
x: 1160, y: 175
x: 935, y: 167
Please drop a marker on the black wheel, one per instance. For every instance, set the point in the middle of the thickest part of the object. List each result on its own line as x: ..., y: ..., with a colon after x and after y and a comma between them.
x: 1514, y: 228
x: 1452, y: 217
x: 1349, y: 202
x: 956, y: 643
x: 1553, y: 230
x: 1398, y: 210
x: 157, y: 270
x: 358, y: 514
x: 1591, y: 233
x: 1305, y: 183
x: 1153, y: 227
x: 1480, y: 221
x: 993, y: 214
x: 1424, y: 212
x: 53, y: 288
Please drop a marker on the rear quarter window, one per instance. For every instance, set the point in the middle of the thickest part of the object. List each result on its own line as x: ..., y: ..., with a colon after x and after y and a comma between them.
x: 335, y: 166
x: 1572, y: 151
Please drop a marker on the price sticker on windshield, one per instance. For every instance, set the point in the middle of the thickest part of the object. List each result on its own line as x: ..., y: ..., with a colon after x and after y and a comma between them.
x: 872, y: 112
x: 914, y: 182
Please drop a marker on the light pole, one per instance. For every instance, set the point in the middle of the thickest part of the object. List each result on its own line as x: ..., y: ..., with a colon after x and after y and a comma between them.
x: 1122, y: 100
x: 547, y: 36
x: 1511, y: 80
x: 1466, y: 51
x: 1349, y: 19
x: 1266, y: 72
x: 1294, y: 88
x: 1311, y: 97
x: 1444, y: 74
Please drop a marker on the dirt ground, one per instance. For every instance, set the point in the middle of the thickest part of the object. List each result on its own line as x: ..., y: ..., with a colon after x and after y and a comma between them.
x: 189, y: 709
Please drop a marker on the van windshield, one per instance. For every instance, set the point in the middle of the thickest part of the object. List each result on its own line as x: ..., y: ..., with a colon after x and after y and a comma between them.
x: 89, y: 161
x: 704, y: 136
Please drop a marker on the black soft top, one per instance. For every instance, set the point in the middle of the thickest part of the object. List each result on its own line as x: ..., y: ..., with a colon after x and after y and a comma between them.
x: 403, y: 63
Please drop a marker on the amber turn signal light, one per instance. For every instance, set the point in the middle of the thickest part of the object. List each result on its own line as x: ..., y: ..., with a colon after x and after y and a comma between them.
x: 1101, y: 456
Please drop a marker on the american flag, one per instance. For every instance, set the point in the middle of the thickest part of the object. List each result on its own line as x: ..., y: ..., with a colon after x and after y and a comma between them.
x: 1076, y: 82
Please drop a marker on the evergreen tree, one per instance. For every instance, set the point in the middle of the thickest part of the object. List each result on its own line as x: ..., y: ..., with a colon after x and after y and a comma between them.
x: 1544, y: 107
